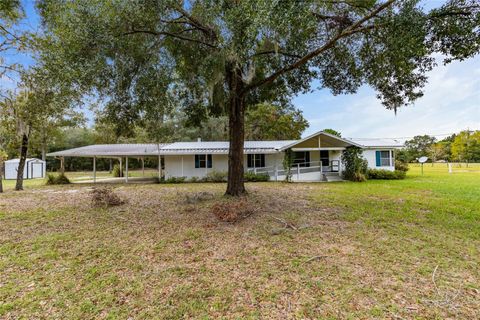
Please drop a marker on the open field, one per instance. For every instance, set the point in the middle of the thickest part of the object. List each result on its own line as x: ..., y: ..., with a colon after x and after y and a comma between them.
x: 380, y: 249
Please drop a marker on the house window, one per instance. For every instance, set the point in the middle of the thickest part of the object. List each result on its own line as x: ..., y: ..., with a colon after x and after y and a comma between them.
x: 301, y: 158
x: 203, y: 161
x: 383, y: 158
x: 255, y: 160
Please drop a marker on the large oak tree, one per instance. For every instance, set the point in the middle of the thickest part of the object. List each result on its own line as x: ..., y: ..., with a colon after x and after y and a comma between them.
x: 224, y: 55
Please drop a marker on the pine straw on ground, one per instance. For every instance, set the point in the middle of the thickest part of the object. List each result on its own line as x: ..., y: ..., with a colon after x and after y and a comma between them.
x: 159, y: 256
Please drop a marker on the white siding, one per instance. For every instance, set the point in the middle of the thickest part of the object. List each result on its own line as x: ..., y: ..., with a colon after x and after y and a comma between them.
x: 34, y: 168
x: 369, y: 154
x: 11, y: 171
x: 173, y: 164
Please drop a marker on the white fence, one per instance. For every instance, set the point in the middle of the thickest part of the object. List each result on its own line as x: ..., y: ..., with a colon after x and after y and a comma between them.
x: 450, y: 167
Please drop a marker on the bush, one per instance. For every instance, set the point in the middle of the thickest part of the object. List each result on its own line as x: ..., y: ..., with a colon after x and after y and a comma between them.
x: 232, y: 210
x: 116, y: 171
x: 53, y: 179
x: 359, y: 177
x: 355, y: 165
x: 401, y: 166
x: 194, y: 179
x: 105, y: 197
x: 175, y: 180
x: 256, y: 177
x: 216, y: 176
x: 376, y: 174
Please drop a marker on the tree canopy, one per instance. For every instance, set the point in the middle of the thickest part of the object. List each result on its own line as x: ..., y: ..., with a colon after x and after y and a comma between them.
x: 419, y: 146
x: 466, y: 146
x: 219, y: 57
x: 332, y: 131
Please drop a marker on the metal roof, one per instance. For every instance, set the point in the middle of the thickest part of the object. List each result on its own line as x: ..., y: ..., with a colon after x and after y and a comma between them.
x: 222, y: 147
x: 111, y: 150
x: 151, y: 149
x: 200, y: 147
x: 378, y: 143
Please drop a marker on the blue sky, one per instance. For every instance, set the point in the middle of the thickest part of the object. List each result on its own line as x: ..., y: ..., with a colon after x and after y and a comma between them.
x: 451, y: 101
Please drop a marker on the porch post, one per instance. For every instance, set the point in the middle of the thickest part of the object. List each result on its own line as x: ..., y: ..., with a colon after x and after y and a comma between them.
x: 298, y: 171
x: 143, y: 166
x: 94, y: 169
x: 276, y: 172
x: 182, y: 166
x: 121, y: 166
x: 126, y: 169
x: 159, y: 167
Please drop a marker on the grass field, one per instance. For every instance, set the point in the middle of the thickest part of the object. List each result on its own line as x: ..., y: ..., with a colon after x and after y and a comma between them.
x: 380, y: 249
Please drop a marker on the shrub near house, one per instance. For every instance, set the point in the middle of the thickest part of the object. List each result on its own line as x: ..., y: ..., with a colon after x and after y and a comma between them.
x: 400, y: 172
x: 379, y: 174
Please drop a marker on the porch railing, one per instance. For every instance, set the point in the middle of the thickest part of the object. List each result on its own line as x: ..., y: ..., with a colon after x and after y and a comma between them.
x: 297, y: 169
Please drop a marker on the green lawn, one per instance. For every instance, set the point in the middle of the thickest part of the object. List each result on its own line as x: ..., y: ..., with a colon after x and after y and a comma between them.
x: 380, y: 249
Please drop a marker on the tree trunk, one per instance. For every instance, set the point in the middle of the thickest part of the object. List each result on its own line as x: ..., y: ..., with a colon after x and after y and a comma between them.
x: 236, y: 186
x: 44, y: 152
x: 1, y: 175
x: 21, y: 164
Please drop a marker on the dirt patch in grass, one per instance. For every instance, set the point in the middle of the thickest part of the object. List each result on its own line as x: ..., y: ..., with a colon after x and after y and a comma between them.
x: 159, y: 256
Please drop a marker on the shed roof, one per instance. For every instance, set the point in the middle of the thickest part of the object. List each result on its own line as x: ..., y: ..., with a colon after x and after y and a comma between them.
x: 16, y: 160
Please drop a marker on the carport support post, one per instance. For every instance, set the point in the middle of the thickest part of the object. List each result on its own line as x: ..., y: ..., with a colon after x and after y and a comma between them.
x: 121, y: 166
x: 62, y: 165
x: 159, y: 167
x: 94, y: 169
x: 126, y: 169
x: 143, y: 166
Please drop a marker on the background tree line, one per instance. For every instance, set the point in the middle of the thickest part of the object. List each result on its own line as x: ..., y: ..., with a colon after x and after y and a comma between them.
x: 460, y: 147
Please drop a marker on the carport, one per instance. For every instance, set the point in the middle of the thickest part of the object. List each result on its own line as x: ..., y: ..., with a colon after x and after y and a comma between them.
x: 113, y: 151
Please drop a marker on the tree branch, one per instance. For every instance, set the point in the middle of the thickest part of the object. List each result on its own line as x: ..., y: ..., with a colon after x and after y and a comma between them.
x: 467, y: 11
x: 10, y: 33
x: 207, y: 30
x: 354, y: 28
x: 170, y: 34
x: 261, y: 53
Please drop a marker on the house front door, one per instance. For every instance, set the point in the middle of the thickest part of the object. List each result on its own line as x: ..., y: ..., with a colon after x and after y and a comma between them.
x: 325, y: 159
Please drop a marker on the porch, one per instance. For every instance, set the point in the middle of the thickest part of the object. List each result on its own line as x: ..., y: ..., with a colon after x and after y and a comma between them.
x: 312, y: 171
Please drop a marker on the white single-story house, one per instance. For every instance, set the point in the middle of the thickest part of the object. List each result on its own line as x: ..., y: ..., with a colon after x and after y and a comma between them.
x: 316, y: 157
x: 34, y: 168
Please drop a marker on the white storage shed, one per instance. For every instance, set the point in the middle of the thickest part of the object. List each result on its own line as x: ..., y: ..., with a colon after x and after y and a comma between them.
x: 34, y: 168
